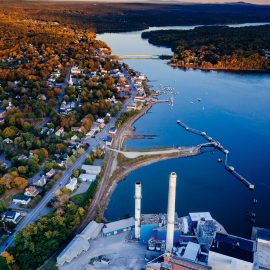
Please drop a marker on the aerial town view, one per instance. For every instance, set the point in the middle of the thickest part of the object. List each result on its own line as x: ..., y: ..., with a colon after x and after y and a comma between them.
x: 134, y: 134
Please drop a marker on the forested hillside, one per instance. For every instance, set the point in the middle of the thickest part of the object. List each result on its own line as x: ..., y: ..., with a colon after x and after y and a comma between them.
x: 217, y: 47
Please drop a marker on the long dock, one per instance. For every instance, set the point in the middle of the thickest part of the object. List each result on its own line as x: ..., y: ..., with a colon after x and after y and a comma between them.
x: 220, y: 147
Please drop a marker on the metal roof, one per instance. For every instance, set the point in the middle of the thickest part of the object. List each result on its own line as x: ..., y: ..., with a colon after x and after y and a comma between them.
x: 92, y: 230
x: 233, y: 246
x: 200, y: 215
x: 191, y: 251
x: 117, y: 225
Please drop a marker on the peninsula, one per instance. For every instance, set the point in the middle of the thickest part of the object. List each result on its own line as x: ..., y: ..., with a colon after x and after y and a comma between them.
x: 217, y: 47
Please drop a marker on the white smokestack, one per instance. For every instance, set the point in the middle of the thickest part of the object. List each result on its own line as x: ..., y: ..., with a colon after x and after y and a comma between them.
x: 138, y: 197
x: 171, y: 212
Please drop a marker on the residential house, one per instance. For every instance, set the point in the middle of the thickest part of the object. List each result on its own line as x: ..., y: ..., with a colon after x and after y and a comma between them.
x: 8, y: 140
x: 40, y: 182
x: 21, y: 199
x: 59, y: 132
x: 75, y: 70
x: 74, y: 138
x: 31, y: 191
x: 50, y: 173
x: 73, y: 184
x: 13, y: 216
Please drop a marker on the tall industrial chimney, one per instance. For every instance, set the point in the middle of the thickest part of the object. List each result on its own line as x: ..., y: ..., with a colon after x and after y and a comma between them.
x: 171, y: 212
x: 138, y: 197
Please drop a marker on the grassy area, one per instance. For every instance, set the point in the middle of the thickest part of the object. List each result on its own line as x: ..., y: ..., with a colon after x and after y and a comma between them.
x: 82, y: 199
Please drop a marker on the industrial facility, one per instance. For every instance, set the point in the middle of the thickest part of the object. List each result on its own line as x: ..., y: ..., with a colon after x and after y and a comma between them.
x: 166, y: 242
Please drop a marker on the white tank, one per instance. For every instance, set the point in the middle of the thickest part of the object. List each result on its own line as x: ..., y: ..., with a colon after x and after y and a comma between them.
x: 171, y: 212
x: 138, y: 198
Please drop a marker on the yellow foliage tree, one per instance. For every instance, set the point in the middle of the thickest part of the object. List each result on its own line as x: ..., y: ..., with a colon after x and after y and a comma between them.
x: 9, y: 258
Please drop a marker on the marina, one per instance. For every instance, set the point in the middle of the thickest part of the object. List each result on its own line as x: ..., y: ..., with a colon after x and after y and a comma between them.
x: 242, y: 126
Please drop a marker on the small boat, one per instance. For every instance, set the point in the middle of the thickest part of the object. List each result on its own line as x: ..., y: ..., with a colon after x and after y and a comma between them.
x: 219, y: 160
x: 255, y: 201
x: 199, y: 99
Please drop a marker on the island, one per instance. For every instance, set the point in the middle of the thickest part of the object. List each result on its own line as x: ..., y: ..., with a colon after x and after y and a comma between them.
x: 217, y: 47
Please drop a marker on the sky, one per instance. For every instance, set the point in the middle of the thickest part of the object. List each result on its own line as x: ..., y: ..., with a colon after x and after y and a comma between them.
x: 182, y: 1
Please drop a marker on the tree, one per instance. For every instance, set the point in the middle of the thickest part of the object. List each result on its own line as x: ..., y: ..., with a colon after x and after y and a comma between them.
x: 3, y: 263
x: 9, y: 258
x: 20, y: 182
x: 9, y: 132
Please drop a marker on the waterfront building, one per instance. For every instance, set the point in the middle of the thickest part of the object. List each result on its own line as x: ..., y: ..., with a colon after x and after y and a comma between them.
x: 119, y: 226
x: 262, y: 254
x: 231, y: 252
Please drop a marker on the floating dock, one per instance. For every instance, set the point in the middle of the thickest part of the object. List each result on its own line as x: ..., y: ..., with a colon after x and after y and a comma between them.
x: 219, y: 146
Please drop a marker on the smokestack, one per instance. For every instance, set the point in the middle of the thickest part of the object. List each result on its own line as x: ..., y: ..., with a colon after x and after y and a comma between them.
x: 138, y: 197
x: 171, y: 212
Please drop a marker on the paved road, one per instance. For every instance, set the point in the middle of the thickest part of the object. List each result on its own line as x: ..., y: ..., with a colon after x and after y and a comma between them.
x: 33, y: 215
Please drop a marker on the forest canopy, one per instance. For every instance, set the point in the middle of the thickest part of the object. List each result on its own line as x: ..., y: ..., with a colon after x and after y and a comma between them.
x: 217, y: 47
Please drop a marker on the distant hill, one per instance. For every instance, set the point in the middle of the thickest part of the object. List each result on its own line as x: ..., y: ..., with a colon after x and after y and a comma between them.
x: 115, y: 17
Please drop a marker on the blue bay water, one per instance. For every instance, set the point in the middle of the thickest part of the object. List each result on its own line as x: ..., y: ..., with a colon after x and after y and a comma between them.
x: 234, y: 109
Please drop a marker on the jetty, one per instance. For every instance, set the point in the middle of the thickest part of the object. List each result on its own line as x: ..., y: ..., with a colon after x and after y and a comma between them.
x: 217, y: 145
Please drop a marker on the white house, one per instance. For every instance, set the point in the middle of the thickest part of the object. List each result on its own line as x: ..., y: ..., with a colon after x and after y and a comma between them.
x: 72, y: 185
x: 59, y: 132
x: 21, y: 199
x: 40, y: 182
x: 13, y: 216
x: 91, y: 169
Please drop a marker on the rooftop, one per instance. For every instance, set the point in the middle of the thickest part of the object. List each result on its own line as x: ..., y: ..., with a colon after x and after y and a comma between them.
x: 192, y: 251
x: 200, y: 215
x: 120, y: 224
x: 233, y: 246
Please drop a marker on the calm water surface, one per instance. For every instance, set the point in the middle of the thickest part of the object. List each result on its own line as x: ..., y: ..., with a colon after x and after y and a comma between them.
x: 234, y: 109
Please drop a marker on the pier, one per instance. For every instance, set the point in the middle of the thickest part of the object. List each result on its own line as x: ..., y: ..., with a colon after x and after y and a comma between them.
x: 218, y: 146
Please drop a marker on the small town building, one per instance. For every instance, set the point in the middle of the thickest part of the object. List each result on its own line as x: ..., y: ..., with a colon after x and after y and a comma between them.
x: 87, y: 177
x: 21, y: 199
x: 59, y: 132
x: 50, y: 173
x: 73, y: 184
x: 40, y: 182
x: 91, y: 169
x: 74, y: 138
x: 12, y: 216
x: 132, y: 107
x: 8, y: 141
x: 108, y: 141
x: 112, y: 131
x: 119, y: 226
x: 73, y: 250
x: 79, y: 243
x: 31, y: 191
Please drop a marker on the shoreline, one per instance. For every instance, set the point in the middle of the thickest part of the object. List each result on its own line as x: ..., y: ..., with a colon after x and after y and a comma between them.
x: 232, y: 70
